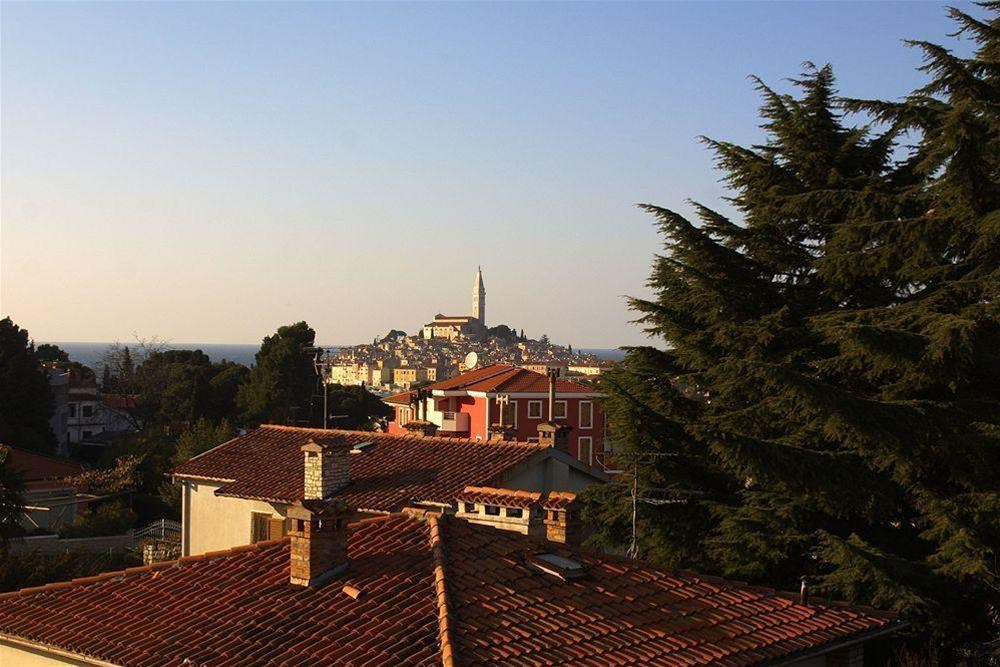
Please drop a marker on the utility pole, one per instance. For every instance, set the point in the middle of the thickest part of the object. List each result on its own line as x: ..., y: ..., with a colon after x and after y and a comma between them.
x: 633, y: 547
x: 322, y: 364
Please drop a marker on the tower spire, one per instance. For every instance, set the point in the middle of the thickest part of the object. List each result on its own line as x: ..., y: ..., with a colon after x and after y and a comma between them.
x: 479, y: 297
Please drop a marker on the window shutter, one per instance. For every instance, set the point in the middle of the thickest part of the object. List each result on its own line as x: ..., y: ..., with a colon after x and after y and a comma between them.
x: 275, y: 528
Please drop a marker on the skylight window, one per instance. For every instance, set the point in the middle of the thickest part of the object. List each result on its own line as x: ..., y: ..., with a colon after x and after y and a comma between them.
x: 557, y: 566
x: 362, y: 447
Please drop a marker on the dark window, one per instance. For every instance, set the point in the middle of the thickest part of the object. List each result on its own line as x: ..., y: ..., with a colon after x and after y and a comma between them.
x: 72, y: 409
x: 493, y: 510
x: 258, y: 526
x: 515, y: 512
x: 87, y: 434
x: 470, y: 508
x: 88, y: 411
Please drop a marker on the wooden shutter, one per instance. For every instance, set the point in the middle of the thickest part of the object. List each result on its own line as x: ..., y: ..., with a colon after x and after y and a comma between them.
x: 275, y: 528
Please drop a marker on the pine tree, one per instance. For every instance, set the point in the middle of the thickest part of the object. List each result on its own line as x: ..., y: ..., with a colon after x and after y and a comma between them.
x: 26, y: 401
x: 281, y: 385
x: 828, y: 396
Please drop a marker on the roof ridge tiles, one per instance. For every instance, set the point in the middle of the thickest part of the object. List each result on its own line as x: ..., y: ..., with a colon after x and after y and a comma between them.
x: 445, y: 621
x: 395, y: 436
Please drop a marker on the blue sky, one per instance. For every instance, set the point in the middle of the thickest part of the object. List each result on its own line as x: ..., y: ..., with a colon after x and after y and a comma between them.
x: 208, y: 172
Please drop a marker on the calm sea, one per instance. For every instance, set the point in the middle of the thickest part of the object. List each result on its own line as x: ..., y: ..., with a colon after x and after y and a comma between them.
x: 90, y: 354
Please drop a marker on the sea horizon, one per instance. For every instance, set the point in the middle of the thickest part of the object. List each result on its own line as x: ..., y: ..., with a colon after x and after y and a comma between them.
x: 90, y: 353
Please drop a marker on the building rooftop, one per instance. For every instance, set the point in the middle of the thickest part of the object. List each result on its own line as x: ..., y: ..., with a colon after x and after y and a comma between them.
x: 390, y: 473
x: 34, y: 467
x: 422, y: 590
x: 498, y: 378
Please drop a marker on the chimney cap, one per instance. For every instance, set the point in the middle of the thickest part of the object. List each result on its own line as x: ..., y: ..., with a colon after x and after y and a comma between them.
x: 305, y: 509
x: 324, y: 444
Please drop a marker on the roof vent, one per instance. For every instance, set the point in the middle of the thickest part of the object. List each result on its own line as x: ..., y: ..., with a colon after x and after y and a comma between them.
x: 557, y: 566
x: 362, y: 447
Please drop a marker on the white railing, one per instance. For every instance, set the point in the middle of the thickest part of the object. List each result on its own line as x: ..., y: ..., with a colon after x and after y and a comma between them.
x: 162, y: 529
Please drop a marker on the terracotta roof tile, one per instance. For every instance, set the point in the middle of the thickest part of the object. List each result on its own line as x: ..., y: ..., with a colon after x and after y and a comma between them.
x: 432, y: 589
x: 502, y: 497
x: 508, y: 379
x: 395, y: 471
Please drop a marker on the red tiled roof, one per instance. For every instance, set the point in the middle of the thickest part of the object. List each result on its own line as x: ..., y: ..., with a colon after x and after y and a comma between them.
x: 399, y: 399
x: 424, y: 590
x: 503, y: 497
x: 509, y: 379
x: 623, y: 611
x: 237, y: 607
x: 35, y: 467
x: 558, y: 500
x: 397, y: 470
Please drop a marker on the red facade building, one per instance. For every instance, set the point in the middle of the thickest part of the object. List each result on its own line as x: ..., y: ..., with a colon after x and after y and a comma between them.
x: 507, y: 402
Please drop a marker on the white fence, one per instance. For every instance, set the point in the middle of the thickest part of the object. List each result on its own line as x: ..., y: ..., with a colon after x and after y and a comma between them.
x: 163, y: 529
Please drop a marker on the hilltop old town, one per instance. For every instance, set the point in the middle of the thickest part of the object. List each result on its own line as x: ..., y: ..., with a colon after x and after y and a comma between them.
x: 791, y: 457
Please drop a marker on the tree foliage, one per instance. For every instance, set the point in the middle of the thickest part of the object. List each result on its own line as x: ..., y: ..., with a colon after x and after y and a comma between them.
x: 829, y: 388
x: 47, y: 352
x: 356, y: 408
x: 26, y: 402
x: 11, y: 498
x: 171, y: 388
x: 283, y: 382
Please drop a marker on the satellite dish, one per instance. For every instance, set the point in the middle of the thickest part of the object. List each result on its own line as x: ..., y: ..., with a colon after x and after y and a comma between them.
x: 471, y: 359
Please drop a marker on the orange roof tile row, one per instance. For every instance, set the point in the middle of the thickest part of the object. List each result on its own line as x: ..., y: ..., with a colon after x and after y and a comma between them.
x: 488, y: 495
x: 429, y: 590
x: 558, y: 500
x: 394, y: 471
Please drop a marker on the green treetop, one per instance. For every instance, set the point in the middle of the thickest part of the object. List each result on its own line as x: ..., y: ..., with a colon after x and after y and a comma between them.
x: 827, y: 394
x: 282, y: 383
x: 26, y: 402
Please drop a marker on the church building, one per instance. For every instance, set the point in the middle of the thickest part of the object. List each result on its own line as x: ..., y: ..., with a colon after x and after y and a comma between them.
x: 462, y: 326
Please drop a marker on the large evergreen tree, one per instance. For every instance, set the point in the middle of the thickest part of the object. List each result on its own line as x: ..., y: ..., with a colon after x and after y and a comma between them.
x: 827, y: 401
x: 282, y: 383
x: 26, y: 402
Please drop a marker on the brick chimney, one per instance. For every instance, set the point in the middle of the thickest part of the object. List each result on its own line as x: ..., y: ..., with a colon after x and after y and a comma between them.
x: 327, y: 468
x: 318, y: 541
x: 554, y: 435
x: 562, y: 518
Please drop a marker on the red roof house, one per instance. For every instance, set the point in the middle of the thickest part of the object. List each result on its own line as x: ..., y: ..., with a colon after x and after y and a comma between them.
x: 501, y: 402
x: 422, y: 589
x: 240, y: 491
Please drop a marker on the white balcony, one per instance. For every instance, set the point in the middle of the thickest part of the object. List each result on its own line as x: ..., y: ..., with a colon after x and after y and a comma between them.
x: 455, y: 421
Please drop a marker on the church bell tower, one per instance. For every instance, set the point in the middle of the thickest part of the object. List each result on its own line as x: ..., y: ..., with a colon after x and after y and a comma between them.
x: 479, y: 298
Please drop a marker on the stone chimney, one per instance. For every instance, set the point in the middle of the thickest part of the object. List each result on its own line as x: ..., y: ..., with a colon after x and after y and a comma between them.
x: 327, y: 468
x: 562, y: 518
x: 317, y: 541
x: 554, y: 435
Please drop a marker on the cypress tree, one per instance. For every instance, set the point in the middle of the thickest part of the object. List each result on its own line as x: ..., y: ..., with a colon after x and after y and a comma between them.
x: 827, y: 399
